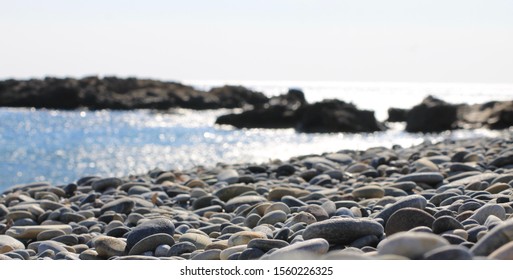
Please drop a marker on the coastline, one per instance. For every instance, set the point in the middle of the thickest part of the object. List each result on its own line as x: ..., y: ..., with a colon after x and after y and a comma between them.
x: 375, y: 204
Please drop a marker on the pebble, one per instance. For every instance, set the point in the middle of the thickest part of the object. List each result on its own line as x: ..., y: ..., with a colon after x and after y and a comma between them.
x: 342, y: 230
x: 444, y: 201
x: 407, y: 218
x: 150, y: 243
x: 413, y: 201
x: 304, y: 250
x: 107, y: 247
x: 412, y: 245
x: 145, y: 229
x: 243, y: 237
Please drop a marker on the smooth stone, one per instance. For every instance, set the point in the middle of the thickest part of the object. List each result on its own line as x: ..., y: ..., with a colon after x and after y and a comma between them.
x: 497, y: 188
x: 180, y: 248
x: 266, y: 244
x: 226, y: 253
x: 449, y: 252
x: 151, y: 242
x: 317, y: 211
x: 413, y: 201
x: 368, y: 192
x: 412, y: 245
x: 214, y: 254
x: 494, y: 239
x: 108, y: 247
x: 166, y: 176
x: 145, y: 229
x: 301, y: 217
x: 277, y: 193
x: 103, y: 184
x: 273, y: 217
x: 407, y: 218
x: 505, y: 252
x: 481, y: 214
x: 6, y: 240
x: 235, y: 202
x: 20, y: 214
x: 89, y: 255
x: 342, y: 230
x: 229, y: 192
x: 71, y: 217
x: 425, y: 164
x: 368, y: 240
x: 251, y: 254
x: 304, y: 250
x: 220, y: 244
x: 200, y: 241
x: 54, y: 246
x: 252, y: 220
x: 69, y: 240
x: 31, y: 232
x: 121, y: 205
x: 445, y: 223
x: 277, y: 206
x: 229, y: 176
x: 3, y: 211
x: 488, y: 177
x: 162, y: 250
x: 243, y: 237
x: 422, y: 177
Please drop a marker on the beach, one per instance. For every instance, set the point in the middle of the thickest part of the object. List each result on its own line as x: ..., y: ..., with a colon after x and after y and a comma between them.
x: 444, y: 200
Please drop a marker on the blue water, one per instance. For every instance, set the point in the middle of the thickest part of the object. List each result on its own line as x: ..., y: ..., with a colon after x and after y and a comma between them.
x: 62, y: 146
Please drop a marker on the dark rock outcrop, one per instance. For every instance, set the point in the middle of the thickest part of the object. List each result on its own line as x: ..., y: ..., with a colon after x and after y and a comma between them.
x: 291, y: 110
x: 432, y: 115
x: 493, y: 115
x: 397, y: 115
x: 124, y: 94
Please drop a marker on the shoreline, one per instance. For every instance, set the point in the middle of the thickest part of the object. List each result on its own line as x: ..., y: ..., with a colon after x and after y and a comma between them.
x: 380, y: 203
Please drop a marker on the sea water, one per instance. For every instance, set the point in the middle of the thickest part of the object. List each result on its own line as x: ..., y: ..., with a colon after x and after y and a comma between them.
x: 63, y: 146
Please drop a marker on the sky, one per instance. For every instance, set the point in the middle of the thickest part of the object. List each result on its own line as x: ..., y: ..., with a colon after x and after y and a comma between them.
x: 465, y: 41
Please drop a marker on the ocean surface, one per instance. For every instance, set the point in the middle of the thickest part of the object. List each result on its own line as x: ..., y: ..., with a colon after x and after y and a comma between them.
x: 63, y: 146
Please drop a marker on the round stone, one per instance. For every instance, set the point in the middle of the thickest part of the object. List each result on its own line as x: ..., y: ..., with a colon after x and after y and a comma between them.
x: 232, y: 191
x: 13, y: 243
x: 235, y: 202
x: 226, y: 253
x: 151, y: 242
x: 342, y: 230
x: 304, y: 250
x: 445, y: 223
x: 229, y: 176
x: 122, y: 205
x: 481, y: 214
x: 103, y: 184
x: 317, y: 211
x: 273, y: 217
x: 108, y: 247
x: 267, y: 244
x: 412, y: 245
x: 368, y: 192
x: 278, y: 192
x: 406, y: 219
x: 413, y: 201
x: 243, y: 237
x: 145, y: 229
x: 200, y: 241
x: 423, y: 177
x: 181, y: 247
x: 449, y: 252
x: 214, y: 254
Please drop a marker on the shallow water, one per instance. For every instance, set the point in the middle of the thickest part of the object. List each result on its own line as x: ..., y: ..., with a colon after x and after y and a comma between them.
x: 62, y: 146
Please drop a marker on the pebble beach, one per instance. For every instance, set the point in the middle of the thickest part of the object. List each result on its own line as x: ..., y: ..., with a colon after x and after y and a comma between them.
x: 446, y: 200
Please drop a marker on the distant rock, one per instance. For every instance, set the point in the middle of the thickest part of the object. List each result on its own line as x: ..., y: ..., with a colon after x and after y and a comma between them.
x: 122, y: 94
x: 397, y: 115
x: 432, y: 115
x: 291, y: 110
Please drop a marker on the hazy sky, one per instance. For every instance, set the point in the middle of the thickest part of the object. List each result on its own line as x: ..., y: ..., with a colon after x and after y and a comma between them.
x: 373, y: 40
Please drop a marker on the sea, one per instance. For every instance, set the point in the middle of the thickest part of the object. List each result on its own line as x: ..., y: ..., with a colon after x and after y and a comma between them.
x: 62, y: 146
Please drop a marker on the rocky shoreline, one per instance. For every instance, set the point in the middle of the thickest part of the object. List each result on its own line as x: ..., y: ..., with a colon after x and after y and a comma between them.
x: 448, y: 200
x: 289, y: 110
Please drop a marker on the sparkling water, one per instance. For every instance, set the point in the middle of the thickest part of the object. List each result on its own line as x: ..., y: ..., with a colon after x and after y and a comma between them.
x: 62, y: 146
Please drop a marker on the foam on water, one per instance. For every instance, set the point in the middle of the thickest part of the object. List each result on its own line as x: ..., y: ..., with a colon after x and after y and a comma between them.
x: 62, y: 146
